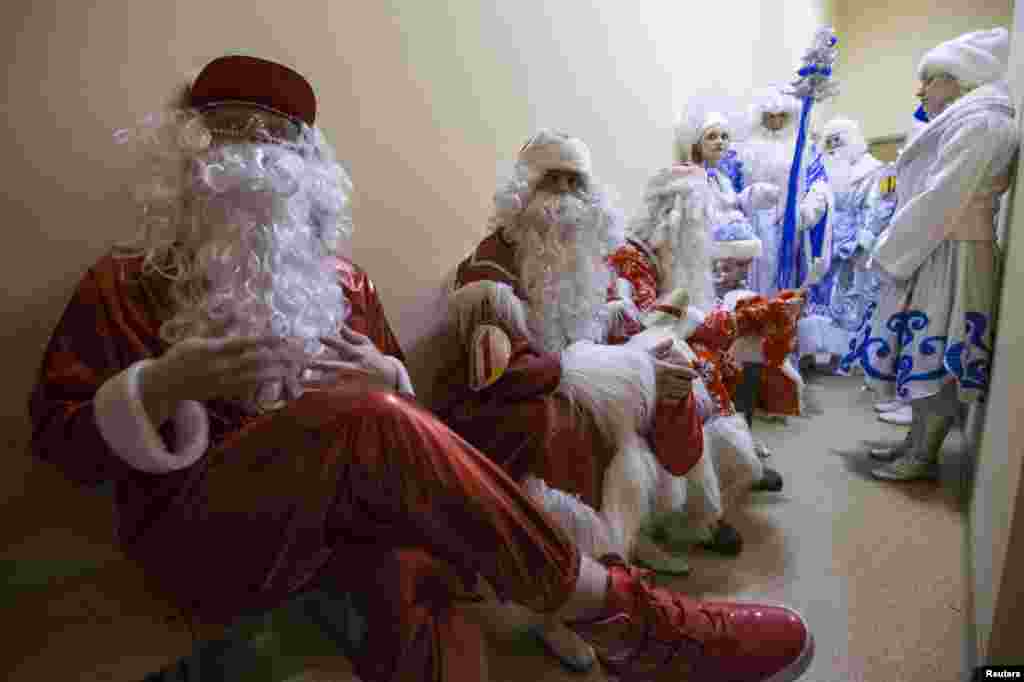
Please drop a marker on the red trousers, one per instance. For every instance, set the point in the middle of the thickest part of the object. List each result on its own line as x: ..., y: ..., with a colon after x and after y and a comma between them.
x: 364, y: 491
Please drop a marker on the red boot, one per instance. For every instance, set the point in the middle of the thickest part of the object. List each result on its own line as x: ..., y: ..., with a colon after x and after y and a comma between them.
x: 723, y: 641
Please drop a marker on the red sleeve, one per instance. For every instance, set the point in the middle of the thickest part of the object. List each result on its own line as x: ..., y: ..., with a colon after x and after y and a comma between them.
x: 529, y: 374
x: 367, y: 313
x: 86, y: 349
x: 678, y: 435
x: 717, y: 331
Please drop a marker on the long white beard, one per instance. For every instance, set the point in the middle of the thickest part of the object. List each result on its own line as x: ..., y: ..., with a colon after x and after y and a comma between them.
x: 263, y: 259
x: 768, y: 157
x: 686, y: 263
x: 839, y: 170
x: 562, y: 244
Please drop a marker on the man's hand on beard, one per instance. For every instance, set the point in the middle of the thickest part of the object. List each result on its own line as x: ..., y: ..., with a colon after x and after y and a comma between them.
x: 357, y: 363
x: 225, y: 368
x: 673, y: 376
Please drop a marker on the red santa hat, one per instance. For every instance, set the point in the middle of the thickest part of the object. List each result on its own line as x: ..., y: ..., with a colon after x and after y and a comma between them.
x: 973, y: 59
x: 251, y: 80
x: 550, y: 150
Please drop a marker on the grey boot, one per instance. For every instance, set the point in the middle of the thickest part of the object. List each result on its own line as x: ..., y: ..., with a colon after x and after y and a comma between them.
x: 921, y: 461
x: 895, y: 452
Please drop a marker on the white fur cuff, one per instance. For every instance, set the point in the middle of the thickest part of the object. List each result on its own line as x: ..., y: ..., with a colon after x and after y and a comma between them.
x: 124, y: 424
x: 743, y: 249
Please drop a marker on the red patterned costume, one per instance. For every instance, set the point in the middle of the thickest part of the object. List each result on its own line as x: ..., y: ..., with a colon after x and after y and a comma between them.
x: 282, y: 501
x: 771, y: 320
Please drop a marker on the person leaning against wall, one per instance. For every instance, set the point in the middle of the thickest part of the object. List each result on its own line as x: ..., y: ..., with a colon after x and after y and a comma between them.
x: 930, y: 340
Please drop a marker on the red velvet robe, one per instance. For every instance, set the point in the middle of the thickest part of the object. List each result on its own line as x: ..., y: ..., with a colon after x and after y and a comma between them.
x: 522, y: 422
x: 362, y: 489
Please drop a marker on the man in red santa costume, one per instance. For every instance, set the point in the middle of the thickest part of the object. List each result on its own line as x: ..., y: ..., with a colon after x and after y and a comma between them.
x: 561, y: 409
x: 180, y: 371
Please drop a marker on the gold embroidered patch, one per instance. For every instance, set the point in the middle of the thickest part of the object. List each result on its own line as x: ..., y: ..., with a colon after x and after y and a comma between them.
x: 887, y: 185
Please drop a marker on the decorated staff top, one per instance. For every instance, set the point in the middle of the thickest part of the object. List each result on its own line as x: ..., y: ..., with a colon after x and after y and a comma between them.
x: 814, y: 78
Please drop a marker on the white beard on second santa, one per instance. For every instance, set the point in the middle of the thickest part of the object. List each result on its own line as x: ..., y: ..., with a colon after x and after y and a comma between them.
x: 768, y: 157
x: 264, y: 231
x: 839, y: 167
x: 562, y: 243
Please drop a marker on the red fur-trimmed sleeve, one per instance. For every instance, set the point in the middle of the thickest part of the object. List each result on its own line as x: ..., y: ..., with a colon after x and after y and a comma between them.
x: 99, y: 334
x: 678, y: 435
x: 530, y: 373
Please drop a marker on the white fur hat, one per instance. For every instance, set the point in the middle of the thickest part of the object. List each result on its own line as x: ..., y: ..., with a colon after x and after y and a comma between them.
x: 549, y: 150
x: 712, y: 120
x: 690, y: 131
x: 740, y: 249
x: 850, y: 132
x: 773, y: 100
x: 974, y: 58
x: 702, y: 112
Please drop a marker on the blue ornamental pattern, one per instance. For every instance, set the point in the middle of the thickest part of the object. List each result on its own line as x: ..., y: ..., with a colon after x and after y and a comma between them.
x: 971, y: 369
x: 908, y: 353
x: 732, y: 166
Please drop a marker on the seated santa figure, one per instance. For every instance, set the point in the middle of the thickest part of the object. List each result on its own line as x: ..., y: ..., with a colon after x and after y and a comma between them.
x: 536, y: 384
x: 667, y: 256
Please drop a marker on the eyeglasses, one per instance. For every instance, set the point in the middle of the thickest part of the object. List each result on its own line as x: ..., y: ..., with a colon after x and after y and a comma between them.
x: 245, y: 121
x: 927, y: 82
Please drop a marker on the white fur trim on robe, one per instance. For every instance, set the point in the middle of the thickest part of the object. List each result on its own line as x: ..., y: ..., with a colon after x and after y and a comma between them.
x: 132, y: 436
x: 820, y: 201
x: 615, y: 384
x: 941, y: 171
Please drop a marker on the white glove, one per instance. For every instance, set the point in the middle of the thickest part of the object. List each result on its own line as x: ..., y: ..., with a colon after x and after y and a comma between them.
x: 805, y: 218
x: 818, y: 269
x: 764, y: 195
x: 865, y: 239
x: 812, y: 208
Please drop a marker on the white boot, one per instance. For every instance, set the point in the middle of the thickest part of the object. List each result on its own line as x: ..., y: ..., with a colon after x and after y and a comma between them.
x: 899, y: 417
x: 888, y: 405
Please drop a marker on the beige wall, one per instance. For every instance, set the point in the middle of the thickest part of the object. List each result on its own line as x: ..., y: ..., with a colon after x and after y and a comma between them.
x: 423, y: 100
x: 996, y: 518
x: 883, y: 42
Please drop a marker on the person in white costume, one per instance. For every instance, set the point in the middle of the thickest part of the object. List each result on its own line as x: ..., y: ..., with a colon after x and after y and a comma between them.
x: 854, y: 175
x: 930, y: 341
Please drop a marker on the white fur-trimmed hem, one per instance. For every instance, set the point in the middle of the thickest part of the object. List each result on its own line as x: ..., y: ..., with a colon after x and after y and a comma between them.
x: 126, y: 427
x: 615, y: 384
